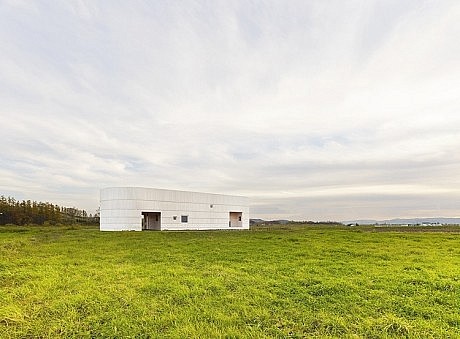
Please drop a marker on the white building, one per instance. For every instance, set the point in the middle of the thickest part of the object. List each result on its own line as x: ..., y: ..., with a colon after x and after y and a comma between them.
x: 137, y: 209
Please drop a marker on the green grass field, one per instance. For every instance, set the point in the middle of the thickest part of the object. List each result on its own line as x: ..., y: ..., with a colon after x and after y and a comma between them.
x: 286, y: 282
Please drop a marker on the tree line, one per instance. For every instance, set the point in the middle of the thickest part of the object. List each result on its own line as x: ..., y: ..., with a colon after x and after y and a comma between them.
x: 27, y: 212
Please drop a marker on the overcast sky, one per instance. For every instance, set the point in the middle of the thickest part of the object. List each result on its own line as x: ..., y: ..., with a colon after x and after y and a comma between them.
x: 316, y: 110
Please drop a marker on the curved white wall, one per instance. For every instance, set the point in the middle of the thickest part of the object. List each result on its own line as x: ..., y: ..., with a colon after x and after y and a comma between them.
x: 122, y: 207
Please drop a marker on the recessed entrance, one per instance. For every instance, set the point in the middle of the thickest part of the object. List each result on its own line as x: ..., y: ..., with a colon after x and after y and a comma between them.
x: 151, y: 221
x: 235, y: 219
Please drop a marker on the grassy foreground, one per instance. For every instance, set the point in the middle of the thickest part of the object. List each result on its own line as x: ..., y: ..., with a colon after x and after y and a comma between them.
x: 295, y: 282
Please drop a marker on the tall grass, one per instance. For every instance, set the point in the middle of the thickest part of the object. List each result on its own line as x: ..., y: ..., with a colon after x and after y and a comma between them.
x: 292, y: 282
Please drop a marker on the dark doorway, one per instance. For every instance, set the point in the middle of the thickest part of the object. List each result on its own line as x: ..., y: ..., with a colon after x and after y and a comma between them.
x: 151, y: 221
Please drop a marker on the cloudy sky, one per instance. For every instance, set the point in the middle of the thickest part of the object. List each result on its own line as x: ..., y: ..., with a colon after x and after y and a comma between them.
x: 316, y: 110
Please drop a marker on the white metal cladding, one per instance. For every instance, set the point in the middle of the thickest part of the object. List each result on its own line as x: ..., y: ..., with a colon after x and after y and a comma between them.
x: 122, y: 208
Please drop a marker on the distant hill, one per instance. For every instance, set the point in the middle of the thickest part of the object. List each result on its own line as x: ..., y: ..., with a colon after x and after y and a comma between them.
x: 284, y: 222
x: 273, y: 222
x: 396, y: 221
x: 408, y: 221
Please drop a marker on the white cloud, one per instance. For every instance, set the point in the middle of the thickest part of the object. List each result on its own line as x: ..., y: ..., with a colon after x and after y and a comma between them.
x: 330, y: 104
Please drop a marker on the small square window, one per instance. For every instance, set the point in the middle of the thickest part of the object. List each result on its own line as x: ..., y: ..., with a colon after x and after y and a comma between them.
x: 184, y: 218
x: 211, y: 206
x: 175, y: 217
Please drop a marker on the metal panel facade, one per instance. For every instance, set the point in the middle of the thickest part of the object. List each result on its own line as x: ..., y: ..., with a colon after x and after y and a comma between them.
x: 122, y: 207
